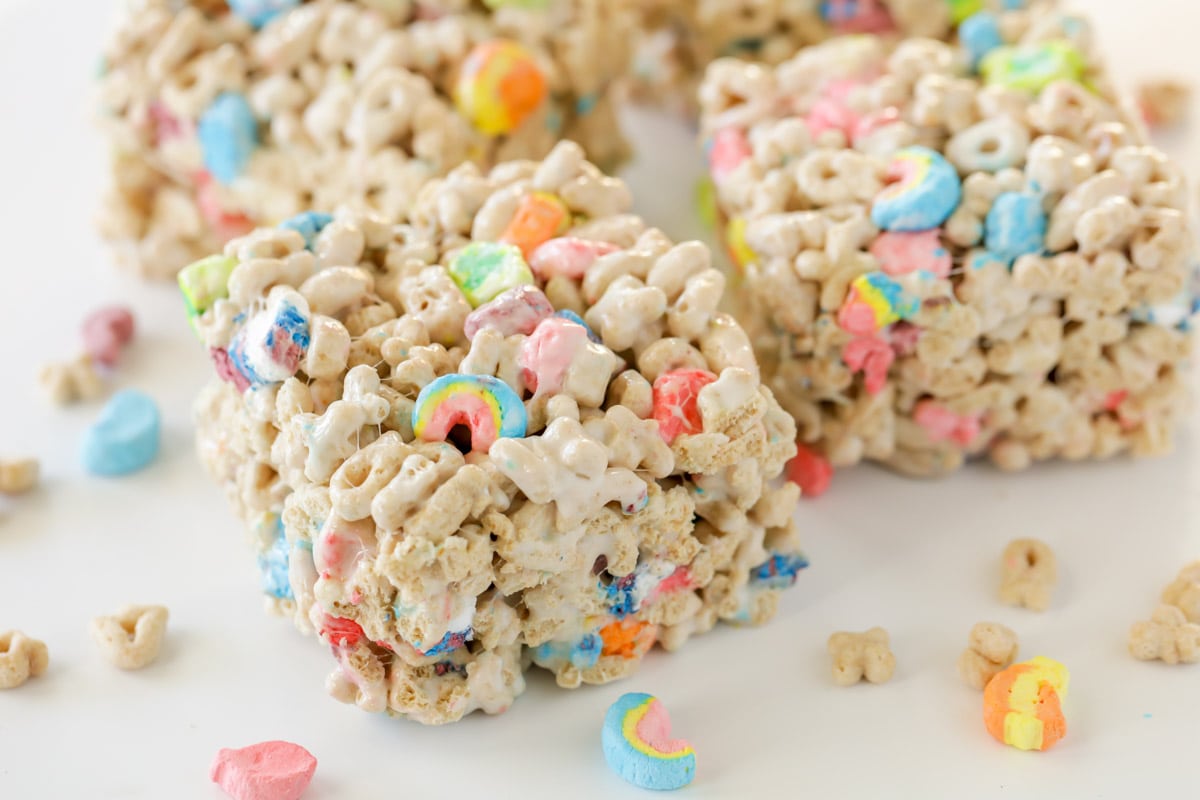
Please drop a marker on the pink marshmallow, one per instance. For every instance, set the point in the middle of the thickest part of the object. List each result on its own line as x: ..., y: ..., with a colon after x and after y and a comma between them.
x: 567, y: 256
x: 106, y: 331
x: 265, y: 771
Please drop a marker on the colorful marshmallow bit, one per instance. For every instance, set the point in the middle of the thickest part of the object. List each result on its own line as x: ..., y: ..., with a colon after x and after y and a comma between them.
x: 483, y: 270
x: 499, y: 86
x: 1033, y: 67
x: 727, y: 150
x: 857, y: 16
x: 126, y: 436
x: 960, y: 10
x: 739, y: 249
x: 923, y: 193
x: 638, y: 745
x: 273, y: 566
x: 540, y: 217
x: 568, y: 256
x: 1022, y: 706
x: 547, y: 354
x: 900, y: 252
x: 204, y: 283
x: 259, y: 12
x: 980, y: 35
x: 941, y: 424
x: 225, y: 223
x: 581, y: 653
x: 677, y: 402
x: 308, y: 224
x: 448, y: 643
x: 780, y: 571
x: 518, y: 310
x: 532, y: 5
x: 487, y: 406
x: 625, y: 595
x: 1015, y: 226
x: 228, y: 134
x: 265, y: 771
x: 875, y: 301
x: 571, y: 316
x: 809, y: 470
x: 106, y: 332
x: 872, y: 357
x: 269, y: 347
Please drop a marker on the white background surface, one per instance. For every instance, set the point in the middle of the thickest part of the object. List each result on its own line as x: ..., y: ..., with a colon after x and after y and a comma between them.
x: 920, y: 559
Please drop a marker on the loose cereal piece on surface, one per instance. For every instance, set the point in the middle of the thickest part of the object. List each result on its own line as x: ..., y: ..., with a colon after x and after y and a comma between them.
x: 858, y: 656
x: 1029, y: 573
x: 991, y: 648
x: 514, y: 453
x: 18, y: 476
x: 1164, y: 102
x: 1184, y: 592
x: 125, y: 438
x: 638, y: 745
x: 70, y: 382
x: 266, y: 771
x: 1022, y: 706
x: 131, y: 638
x: 21, y: 658
x: 1166, y: 636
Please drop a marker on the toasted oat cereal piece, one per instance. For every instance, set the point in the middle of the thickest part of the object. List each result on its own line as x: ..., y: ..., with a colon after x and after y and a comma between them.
x: 221, y: 119
x: 21, y: 658
x: 70, y: 382
x: 1164, y: 102
x: 1184, y: 592
x: 858, y: 656
x: 544, y: 443
x: 131, y: 638
x: 991, y: 648
x: 1166, y: 636
x: 956, y: 250
x: 18, y: 476
x: 1029, y: 573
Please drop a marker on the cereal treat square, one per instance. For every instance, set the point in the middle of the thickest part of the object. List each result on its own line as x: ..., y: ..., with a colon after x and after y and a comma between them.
x: 681, y: 37
x: 512, y: 427
x: 223, y: 116
x: 956, y: 250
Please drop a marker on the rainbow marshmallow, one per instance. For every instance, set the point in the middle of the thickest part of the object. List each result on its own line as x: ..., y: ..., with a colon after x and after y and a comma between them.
x: 924, y: 193
x: 487, y: 406
x: 638, y: 745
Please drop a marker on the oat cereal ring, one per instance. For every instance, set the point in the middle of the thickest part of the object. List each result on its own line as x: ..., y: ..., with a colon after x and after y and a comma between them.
x: 485, y: 477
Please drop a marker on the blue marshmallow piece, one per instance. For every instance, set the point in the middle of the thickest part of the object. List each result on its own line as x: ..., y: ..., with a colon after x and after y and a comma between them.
x: 273, y: 564
x: 228, y: 134
x: 125, y: 438
x: 923, y: 191
x: 980, y: 35
x: 1015, y: 226
x: 308, y: 225
x: 259, y: 12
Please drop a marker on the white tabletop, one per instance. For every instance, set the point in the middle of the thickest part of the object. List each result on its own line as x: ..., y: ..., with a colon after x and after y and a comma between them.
x: 920, y: 559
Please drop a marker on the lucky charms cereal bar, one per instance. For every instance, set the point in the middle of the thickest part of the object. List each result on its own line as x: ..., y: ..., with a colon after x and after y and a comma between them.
x: 681, y: 37
x: 955, y: 250
x: 225, y: 116
x: 512, y: 427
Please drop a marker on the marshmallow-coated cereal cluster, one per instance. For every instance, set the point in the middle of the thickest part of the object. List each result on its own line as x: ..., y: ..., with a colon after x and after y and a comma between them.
x: 512, y: 428
x: 223, y: 116
x: 955, y: 250
x: 681, y: 37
